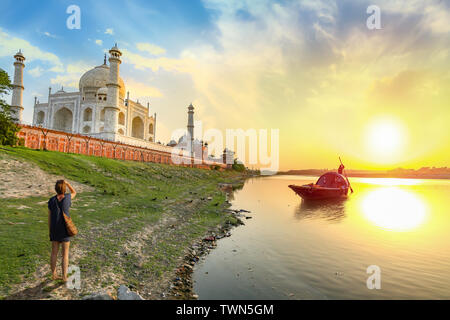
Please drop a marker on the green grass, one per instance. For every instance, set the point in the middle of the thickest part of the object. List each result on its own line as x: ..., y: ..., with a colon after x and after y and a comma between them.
x: 122, y: 205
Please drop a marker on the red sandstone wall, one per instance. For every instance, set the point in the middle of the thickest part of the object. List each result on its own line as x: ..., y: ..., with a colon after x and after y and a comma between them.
x: 39, y: 138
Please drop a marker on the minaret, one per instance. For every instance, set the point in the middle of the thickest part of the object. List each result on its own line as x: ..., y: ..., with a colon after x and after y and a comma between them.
x: 17, y: 95
x: 154, y: 129
x: 190, y: 128
x: 112, y: 106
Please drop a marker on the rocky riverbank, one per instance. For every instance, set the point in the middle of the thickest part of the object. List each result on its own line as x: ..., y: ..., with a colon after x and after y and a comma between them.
x: 182, y: 286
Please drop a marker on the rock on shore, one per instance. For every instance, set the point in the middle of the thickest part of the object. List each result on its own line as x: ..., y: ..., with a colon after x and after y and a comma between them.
x: 123, y: 293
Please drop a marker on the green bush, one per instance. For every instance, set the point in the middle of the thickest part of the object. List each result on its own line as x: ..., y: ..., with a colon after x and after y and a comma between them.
x: 8, y: 129
x: 239, y: 167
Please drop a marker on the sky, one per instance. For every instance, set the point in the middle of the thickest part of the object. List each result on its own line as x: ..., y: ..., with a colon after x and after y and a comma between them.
x: 311, y: 69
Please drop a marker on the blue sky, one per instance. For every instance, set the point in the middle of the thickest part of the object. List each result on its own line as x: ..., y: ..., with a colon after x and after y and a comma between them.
x: 171, y: 25
x: 307, y: 67
x: 160, y: 21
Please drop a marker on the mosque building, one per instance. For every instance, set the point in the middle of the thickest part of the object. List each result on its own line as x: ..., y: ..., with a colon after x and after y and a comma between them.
x: 100, y: 108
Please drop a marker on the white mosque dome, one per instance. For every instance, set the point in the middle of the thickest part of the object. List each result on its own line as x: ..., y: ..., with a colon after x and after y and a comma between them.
x: 182, y: 139
x: 97, y: 78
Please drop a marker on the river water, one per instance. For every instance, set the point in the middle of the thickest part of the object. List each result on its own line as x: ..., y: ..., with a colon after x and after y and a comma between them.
x: 295, y: 250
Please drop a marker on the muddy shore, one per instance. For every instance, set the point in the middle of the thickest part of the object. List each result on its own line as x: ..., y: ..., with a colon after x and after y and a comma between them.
x: 182, y: 285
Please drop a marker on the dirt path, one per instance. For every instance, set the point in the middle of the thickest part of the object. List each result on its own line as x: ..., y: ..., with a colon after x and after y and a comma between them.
x: 20, y: 179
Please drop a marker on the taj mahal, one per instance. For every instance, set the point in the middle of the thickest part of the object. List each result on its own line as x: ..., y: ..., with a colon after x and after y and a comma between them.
x: 103, y: 109
x: 100, y: 107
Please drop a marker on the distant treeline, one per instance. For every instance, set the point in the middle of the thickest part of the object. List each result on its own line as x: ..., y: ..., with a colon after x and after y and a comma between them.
x: 425, y: 173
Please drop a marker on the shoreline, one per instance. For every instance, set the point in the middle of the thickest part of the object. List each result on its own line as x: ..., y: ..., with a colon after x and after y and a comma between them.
x: 182, y: 285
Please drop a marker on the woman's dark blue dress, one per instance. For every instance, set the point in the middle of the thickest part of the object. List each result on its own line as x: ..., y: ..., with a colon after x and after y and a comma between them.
x: 58, y: 230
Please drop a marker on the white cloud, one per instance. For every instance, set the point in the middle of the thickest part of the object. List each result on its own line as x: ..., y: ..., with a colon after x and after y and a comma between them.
x: 435, y: 15
x: 66, y: 75
x: 10, y: 45
x: 109, y: 31
x: 150, y: 48
x: 48, y: 34
x: 251, y: 53
x: 141, y: 90
x: 99, y: 42
x: 71, y: 74
x: 170, y: 64
x: 36, y: 72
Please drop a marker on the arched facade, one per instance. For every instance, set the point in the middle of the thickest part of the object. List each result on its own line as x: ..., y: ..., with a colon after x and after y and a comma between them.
x: 40, y: 118
x: 87, y: 114
x: 137, y: 128
x: 63, y: 120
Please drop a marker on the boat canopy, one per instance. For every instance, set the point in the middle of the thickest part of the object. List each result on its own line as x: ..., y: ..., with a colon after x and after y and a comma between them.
x: 332, y: 180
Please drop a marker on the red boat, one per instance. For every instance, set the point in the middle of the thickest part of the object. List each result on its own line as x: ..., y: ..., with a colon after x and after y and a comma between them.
x: 331, y: 185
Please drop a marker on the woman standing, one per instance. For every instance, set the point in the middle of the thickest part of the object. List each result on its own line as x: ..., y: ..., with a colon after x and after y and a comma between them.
x: 58, y: 204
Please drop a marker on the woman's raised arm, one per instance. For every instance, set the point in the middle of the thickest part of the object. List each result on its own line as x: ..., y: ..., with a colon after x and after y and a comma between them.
x: 72, y: 190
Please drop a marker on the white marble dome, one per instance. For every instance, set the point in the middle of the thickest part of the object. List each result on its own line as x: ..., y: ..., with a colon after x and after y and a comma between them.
x: 97, y: 78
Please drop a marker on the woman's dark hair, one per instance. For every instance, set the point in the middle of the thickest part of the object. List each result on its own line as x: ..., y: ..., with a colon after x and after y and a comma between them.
x: 60, y: 187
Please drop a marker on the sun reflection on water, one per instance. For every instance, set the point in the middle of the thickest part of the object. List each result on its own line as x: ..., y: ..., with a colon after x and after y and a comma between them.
x: 390, y: 181
x: 394, y: 209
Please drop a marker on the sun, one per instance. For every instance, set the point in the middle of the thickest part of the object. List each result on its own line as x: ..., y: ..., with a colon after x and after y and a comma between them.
x: 385, y: 139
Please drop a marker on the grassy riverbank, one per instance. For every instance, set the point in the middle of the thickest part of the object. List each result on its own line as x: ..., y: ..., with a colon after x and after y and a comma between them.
x: 136, y: 223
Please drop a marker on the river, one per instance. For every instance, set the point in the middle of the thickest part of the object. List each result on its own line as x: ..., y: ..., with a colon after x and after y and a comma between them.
x: 295, y: 250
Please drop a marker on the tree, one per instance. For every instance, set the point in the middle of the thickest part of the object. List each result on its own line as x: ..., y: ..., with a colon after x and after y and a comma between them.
x: 87, y: 139
x: 102, y: 144
x: 238, y: 166
x: 44, y: 133
x: 8, y: 129
x: 69, y: 137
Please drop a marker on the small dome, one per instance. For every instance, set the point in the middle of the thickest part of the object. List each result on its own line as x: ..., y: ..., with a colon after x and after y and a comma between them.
x: 19, y: 55
x: 97, y: 78
x: 182, y: 139
x: 115, y: 48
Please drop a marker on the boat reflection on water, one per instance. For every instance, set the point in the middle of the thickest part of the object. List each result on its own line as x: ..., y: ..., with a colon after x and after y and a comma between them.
x: 332, y: 210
